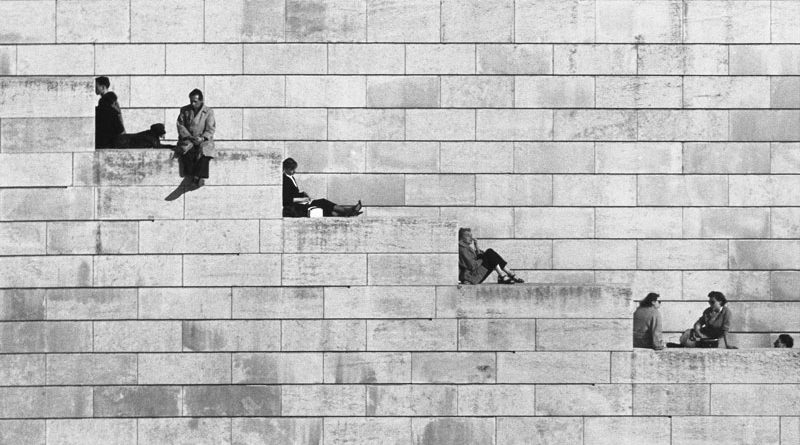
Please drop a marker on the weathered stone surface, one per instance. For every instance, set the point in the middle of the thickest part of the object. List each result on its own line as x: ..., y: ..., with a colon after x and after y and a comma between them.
x: 594, y: 254
x: 284, y: 123
x: 584, y: 400
x: 453, y: 367
x: 411, y: 335
x: 277, y: 302
x: 706, y: 157
x: 366, y: 59
x: 553, y: 367
x: 682, y: 254
x: 594, y: 190
x: 157, y: 21
x: 495, y: 400
x: 553, y: 157
x: 554, y: 91
x: 784, y: 285
x: 184, y: 368
x: 391, y: 431
x: 380, y: 302
x: 682, y: 190
x: 23, y: 238
x: 298, y: 431
x: 732, y: 400
x: 639, y: 92
x: 642, y: 282
x: 232, y: 236
x: 8, y: 60
x: 790, y: 429
x: 626, y: 430
x: 367, y: 367
x: 193, y: 303
x: 32, y: 170
x: 39, y: 271
x: 81, y: 431
x: 440, y: 190
x: 323, y: 335
x: 624, y: 157
x: 138, y: 203
x: 533, y: 301
x: 233, y: 335
x: 55, y: 60
x: 785, y: 92
x: 595, y: 125
x: 726, y: 22
x: 28, y: 22
x: 403, y: 91
x: 46, y: 204
x: 369, y: 124
x: 554, y: 222
x: 137, y: 401
x: 726, y: 92
x: 726, y: 222
x: 403, y: 20
x: 137, y: 336
x: 269, y: 368
x: 244, y: 21
x: 764, y: 190
x: 197, y: 431
x: 325, y: 91
x: 682, y: 125
x: 427, y: 269
x: 22, y: 370
x: 232, y: 270
x: 161, y: 91
x: 485, y: 222
x: 440, y: 59
x: 539, y: 430
x: 640, y: 222
x: 324, y: 269
x: 86, y: 237
x: 62, y: 134
x: 411, y: 400
x: 764, y: 125
x: 139, y: 270
x: 323, y: 400
x: 22, y: 431
x: 546, y: 21
x: 557, y: 335
x: 203, y: 401
x: 732, y: 430
x: 634, y: 21
x: 704, y: 366
x: 242, y: 202
x: 594, y: 59
x: 525, y: 254
x: 513, y: 124
x: 128, y: 59
x: 91, y: 369
x: 30, y: 97
x: 388, y: 189
x: 476, y: 157
x: 453, y: 431
x: 671, y: 400
x: 326, y: 21
x: 494, y: 335
x: 514, y: 59
x: 402, y: 157
x: 440, y: 124
x: 290, y: 58
x: 753, y: 316
x: 475, y: 20
x: 767, y: 254
x: 744, y: 285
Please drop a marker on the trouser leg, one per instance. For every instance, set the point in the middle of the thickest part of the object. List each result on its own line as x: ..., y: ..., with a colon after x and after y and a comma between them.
x: 492, y: 259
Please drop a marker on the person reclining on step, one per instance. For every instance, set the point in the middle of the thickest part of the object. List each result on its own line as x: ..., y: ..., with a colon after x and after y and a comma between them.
x: 647, y: 323
x: 296, y: 204
x: 108, y: 124
x: 474, y: 265
x: 712, y: 328
x: 196, y: 126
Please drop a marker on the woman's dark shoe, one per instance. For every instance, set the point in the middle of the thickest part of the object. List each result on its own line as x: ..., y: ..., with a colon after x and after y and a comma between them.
x: 355, y: 210
x: 502, y: 279
x: 515, y: 279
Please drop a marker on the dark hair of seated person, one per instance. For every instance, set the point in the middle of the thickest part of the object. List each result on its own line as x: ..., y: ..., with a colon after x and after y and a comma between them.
x: 786, y: 339
x: 719, y: 296
x: 289, y: 164
x: 649, y: 300
x: 103, y: 81
x: 196, y: 92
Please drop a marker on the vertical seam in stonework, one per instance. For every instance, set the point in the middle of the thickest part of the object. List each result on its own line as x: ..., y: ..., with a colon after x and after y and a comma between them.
x: 204, y: 23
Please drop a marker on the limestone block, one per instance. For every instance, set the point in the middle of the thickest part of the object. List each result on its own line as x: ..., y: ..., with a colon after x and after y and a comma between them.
x: 785, y: 24
x: 184, y: 368
x: 22, y: 370
x: 411, y: 335
x: 553, y: 157
x: 726, y: 22
x: 370, y: 189
x: 358, y: 124
x: 62, y: 60
x: 594, y: 190
x: 525, y: 254
x: 90, y: 304
x: 326, y: 91
x: 476, y: 157
x: 380, y: 302
x: 554, y: 335
x: 514, y: 59
x: 760, y: 316
x: 671, y: 400
x: 473, y: 20
x: 764, y: 60
x: 639, y: 91
x: 91, y: 369
x: 28, y: 21
x: 726, y: 92
x: 539, y: 430
x: 139, y: 270
x: 494, y: 335
x: 726, y: 222
x: 626, y: 430
x: 547, y: 21
x: 231, y: 400
x: 137, y: 336
x: 764, y: 125
x: 366, y: 59
x: 22, y: 431
x: 477, y: 92
x: 733, y: 400
x: 158, y: 21
x: 244, y: 21
x: 234, y: 202
x: 594, y: 125
x: 440, y: 59
x: 785, y: 92
x: 232, y: 270
x: 453, y: 431
x: 323, y: 335
x: 493, y: 400
x: 323, y: 400
x: 411, y: 400
x: 402, y: 157
x: 92, y: 237
x: 442, y: 124
x: 440, y: 189
x: 427, y: 269
x: 324, y: 269
x: 683, y: 59
x: 43, y: 204
x: 683, y: 190
x: 23, y: 97
x: 594, y: 254
x: 744, y: 285
x: 206, y: 58
x: 328, y: 157
x: 584, y: 400
x: 41, y: 271
x: 199, y: 431
x: 403, y: 21
x: 594, y: 59
x: 511, y: 190
x: 367, y: 367
x: 682, y: 254
x: 641, y: 282
x: 403, y: 91
x: 233, y: 236
x: 269, y: 368
x: 276, y: 302
x: 784, y: 222
x: 22, y: 238
x: 137, y: 401
x: 160, y: 91
x: 560, y: 276
x: 485, y: 222
x: 726, y: 157
x: 682, y: 125
x: 634, y: 21
x: 276, y: 430
x: 516, y: 125
x: 138, y: 203
x: 704, y: 366
x: 61, y: 135
x: 766, y: 190
x: 784, y: 285
x: 81, y: 431
x: 287, y: 58
x: 733, y: 430
x: 553, y: 367
x: 770, y: 254
x: 638, y: 157
x: 332, y: 21
x: 172, y: 303
x: 790, y: 429
x: 62, y: 401
x: 453, y: 367
x: 554, y: 91
x: 554, y: 222
x: 236, y: 91
x: 8, y: 60
x: 233, y: 335
x: 395, y: 431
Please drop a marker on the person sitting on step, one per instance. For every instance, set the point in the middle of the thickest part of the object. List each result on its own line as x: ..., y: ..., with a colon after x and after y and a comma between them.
x: 784, y: 341
x: 296, y: 203
x: 474, y: 265
x: 712, y: 328
x: 647, y: 323
x: 196, y: 127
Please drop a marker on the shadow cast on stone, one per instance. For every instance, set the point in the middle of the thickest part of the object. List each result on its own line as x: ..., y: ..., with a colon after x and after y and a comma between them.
x: 186, y: 184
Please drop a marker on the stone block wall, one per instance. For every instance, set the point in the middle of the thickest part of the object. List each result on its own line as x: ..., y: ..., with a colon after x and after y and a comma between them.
x: 654, y: 143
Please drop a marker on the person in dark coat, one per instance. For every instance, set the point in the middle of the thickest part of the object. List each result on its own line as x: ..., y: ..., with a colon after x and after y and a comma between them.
x: 784, y: 341
x: 647, y: 324
x: 144, y: 139
x: 196, y: 127
x: 474, y: 265
x: 108, y: 124
x: 296, y: 203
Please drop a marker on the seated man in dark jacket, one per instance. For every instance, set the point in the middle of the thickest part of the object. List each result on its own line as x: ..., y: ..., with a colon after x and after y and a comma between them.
x: 108, y: 124
x: 474, y: 265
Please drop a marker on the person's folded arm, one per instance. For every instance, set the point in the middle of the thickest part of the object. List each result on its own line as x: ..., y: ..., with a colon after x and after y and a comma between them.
x: 655, y: 330
x: 183, y: 132
x: 211, y: 126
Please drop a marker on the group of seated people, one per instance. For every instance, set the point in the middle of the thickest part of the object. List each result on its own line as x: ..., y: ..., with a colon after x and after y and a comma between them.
x: 711, y: 330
